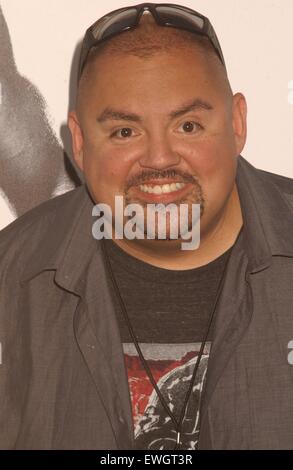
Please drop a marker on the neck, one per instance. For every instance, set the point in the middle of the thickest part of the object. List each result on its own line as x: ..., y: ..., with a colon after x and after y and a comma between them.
x: 215, y: 240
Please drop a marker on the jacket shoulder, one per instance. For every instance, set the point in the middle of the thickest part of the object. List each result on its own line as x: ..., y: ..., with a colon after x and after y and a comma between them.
x: 21, y: 235
x: 284, y: 183
x: 40, y: 213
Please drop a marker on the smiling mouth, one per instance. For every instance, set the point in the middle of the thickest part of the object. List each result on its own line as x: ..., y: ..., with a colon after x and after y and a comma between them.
x: 163, y: 192
x: 161, y: 188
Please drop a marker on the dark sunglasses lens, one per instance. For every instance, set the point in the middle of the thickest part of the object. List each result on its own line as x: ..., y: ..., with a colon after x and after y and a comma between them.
x: 180, y: 18
x: 113, y: 24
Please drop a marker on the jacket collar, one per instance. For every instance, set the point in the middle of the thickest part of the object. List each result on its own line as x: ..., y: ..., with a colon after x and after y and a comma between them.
x: 68, y: 241
x: 70, y: 246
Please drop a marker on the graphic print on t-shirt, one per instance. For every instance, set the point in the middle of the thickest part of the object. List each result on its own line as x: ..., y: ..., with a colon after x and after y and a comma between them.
x: 172, y: 366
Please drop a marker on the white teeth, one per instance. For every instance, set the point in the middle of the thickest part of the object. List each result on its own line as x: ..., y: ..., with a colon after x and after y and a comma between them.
x: 166, y: 188
x: 157, y: 189
x: 163, y: 189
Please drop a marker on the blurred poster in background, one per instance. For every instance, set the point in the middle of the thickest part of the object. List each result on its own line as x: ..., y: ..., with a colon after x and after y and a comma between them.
x: 33, y: 164
x: 39, y: 45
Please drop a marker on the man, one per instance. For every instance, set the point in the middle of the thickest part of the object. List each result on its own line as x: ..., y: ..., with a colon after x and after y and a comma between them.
x: 137, y: 343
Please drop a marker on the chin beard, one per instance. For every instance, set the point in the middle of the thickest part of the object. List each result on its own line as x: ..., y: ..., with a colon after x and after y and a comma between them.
x: 194, y: 197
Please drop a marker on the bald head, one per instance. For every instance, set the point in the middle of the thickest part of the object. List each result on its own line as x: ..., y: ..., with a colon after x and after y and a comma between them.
x: 145, y: 41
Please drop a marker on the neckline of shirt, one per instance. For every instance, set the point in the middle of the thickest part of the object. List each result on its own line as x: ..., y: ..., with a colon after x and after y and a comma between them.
x: 148, y: 272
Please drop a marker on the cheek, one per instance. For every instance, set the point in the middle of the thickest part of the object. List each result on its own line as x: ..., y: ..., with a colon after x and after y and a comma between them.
x: 105, y: 171
x: 211, y: 156
x: 214, y: 163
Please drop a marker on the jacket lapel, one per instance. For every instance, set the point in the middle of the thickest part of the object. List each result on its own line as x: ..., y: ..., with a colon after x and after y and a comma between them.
x: 98, y: 336
x: 233, y: 316
x: 100, y: 346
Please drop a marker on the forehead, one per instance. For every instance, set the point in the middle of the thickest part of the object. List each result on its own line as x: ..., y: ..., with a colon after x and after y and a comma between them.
x: 153, y: 86
x: 161, y: 72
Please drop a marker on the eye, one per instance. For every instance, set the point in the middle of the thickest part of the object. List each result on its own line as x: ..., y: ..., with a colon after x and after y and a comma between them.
x: 122, y: 133
x: 190, y: 127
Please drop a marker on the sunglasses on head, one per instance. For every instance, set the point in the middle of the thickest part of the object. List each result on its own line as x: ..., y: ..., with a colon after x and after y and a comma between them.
x: 165, y: 14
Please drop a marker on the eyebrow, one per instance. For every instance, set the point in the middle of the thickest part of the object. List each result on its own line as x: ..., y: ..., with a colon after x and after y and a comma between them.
x: 110, y: 114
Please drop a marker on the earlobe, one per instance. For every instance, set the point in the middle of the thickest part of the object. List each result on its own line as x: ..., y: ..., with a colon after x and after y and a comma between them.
x: 77, y: 139
x: 239, y: 121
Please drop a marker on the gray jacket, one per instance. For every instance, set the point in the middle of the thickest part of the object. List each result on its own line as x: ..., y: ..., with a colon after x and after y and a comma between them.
x: 63, y: 383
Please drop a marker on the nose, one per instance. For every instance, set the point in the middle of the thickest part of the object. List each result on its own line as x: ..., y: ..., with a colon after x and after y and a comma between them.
x: 159, y: 154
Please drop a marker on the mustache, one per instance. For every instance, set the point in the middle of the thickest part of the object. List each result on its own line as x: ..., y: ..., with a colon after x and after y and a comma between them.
x: 160, y: 174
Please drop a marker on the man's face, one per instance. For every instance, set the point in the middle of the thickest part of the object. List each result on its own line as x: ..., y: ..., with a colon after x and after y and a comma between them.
x: 141, y: 138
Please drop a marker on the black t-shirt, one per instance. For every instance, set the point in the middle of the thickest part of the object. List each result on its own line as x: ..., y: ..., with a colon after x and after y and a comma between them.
x: 169, y: 313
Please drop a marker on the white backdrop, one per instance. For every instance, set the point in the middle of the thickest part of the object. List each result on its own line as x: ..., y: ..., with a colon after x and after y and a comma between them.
x: 256, y: 38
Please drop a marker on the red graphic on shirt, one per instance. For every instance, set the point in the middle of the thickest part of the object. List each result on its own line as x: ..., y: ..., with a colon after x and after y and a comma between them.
x: 139, y: 383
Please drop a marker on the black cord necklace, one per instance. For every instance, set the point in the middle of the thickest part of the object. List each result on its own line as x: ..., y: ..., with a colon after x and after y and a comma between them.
x: 177, y: 424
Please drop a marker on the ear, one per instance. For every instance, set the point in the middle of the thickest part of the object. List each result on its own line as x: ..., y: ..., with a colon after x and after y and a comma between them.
x: 77, y: 139
x: 239, y: 121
